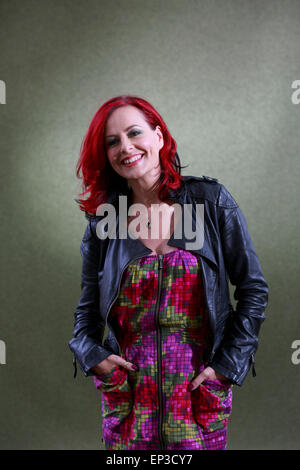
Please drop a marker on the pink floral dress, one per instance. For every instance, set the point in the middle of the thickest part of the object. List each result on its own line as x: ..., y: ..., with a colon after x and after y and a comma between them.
x: 161, y: 323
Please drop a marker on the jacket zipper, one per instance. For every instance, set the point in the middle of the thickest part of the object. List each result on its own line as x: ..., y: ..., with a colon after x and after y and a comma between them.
x: 133, y: 259
x: 212, y: 323
x: 253, y: 368
x: 159, y: 353
x: 75, y: 366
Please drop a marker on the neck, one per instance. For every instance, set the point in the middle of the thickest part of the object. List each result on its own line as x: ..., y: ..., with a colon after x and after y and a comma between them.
x: 142, y: 194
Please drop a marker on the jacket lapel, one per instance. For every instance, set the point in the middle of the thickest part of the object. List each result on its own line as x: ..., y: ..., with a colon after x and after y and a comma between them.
x: 182, y: 196
x: 131, y: 248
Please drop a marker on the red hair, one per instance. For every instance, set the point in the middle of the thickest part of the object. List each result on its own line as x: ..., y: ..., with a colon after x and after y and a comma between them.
x: 98, y: 177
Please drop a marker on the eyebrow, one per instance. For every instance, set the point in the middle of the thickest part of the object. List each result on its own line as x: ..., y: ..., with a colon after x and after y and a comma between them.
x: 112, y: 135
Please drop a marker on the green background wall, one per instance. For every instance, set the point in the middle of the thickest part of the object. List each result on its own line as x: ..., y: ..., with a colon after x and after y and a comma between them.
x: 220, y: 74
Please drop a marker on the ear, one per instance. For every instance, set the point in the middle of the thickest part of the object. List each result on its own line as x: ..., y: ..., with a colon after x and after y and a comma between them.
x: 160, y: 137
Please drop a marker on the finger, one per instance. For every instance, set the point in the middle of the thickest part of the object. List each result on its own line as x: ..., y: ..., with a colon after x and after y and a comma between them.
x: 126, y: 364
x: 198, y: 380
x: 214, y: 374
x: 129, y: 365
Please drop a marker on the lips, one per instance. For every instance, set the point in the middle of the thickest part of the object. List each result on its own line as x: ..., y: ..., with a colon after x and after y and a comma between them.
x: 137, y: 156
x: 130, y: 156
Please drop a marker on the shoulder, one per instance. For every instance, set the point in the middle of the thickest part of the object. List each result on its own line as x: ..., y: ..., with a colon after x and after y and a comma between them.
x: 210, y: 189
x: 91, y: 227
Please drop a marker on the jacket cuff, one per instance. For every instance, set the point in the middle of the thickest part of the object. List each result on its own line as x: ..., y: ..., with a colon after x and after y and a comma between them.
x: 95, y: 355
x: 219, y: 367
x: 236, y: 378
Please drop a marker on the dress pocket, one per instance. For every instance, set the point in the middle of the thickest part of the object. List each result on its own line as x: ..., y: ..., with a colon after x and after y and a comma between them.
x: 212, y: 404
x: 117, y: 397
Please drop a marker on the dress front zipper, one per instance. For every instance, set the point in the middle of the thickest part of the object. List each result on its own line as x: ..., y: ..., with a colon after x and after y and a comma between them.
x: 159, y: 353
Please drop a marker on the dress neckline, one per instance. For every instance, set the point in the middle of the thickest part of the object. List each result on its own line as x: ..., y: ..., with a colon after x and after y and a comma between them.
x: 163, y: 254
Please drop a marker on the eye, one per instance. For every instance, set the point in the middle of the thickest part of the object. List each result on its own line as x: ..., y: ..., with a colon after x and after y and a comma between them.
x: 136, y: 132
x: 131, y: 133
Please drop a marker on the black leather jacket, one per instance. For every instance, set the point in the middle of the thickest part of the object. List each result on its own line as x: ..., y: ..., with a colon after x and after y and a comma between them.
x: 227, y: 251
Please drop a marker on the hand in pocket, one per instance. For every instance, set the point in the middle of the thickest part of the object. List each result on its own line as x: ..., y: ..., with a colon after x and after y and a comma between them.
x: 107, y: 365
x: 212, y: 404
x: 117, y: 395
x: 207, y: 374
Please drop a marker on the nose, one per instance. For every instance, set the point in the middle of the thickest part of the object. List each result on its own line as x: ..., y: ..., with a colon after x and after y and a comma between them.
x: 125, y: 145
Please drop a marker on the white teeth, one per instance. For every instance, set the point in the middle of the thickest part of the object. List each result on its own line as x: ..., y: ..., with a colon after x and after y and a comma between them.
x: 133, y: 159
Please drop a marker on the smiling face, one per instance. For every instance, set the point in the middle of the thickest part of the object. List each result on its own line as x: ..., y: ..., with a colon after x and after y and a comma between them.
x: 132, y: 147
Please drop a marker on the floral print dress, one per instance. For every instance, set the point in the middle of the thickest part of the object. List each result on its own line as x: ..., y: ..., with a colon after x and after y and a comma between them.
x: 161, y: 324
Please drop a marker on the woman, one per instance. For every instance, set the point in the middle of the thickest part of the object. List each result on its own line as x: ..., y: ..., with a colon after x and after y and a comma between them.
x: 175, y: 345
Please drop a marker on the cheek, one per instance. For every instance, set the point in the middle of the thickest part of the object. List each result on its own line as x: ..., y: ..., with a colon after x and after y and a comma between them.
x: 147, y: 146
x: 110, y: 158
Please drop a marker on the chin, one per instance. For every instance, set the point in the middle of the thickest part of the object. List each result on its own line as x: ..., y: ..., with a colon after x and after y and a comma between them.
x: 135, y: 174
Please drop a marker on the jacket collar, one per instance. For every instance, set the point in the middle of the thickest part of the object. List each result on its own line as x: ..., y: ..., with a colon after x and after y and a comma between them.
x: 177, y: 195
x: 181, y: 196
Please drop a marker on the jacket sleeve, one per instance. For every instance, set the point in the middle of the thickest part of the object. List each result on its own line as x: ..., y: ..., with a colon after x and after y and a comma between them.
x: 88, y: 327
x: 236, y: 352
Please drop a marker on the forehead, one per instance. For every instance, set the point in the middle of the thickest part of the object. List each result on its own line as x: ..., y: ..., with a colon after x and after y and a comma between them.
x: 123, y: 117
